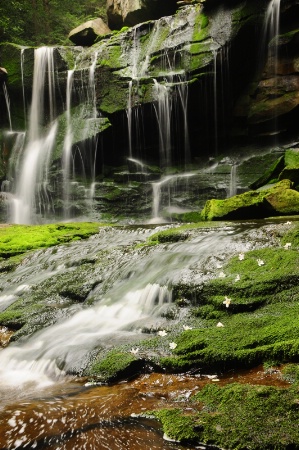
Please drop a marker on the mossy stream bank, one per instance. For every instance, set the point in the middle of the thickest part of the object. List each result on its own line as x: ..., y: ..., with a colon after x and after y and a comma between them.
x: 231, y: 301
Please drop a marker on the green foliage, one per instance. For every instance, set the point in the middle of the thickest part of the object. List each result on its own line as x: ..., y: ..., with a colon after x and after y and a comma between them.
x: 18, y: 239
x: 38, y: 22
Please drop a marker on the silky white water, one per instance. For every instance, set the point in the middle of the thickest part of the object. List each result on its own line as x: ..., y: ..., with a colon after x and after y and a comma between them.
x: 135, y: 290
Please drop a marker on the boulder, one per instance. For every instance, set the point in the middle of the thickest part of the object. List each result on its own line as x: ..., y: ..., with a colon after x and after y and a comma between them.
x: 279, y: 199
x: 131, y: 12
x: 87, y: 33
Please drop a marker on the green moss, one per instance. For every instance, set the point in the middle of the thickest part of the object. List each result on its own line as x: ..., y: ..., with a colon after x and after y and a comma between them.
x: 243, y: 416
x: 176, y: 425
x: 290, y: 373
x: 115, y: 364
x: 200, y: 31
x: 18, y: 239
x: 291, y: 158
x: 250, y: 334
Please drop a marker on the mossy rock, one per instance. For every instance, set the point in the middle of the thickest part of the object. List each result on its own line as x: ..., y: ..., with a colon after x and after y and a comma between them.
x: 237, y: 416
x: 279, y: 199
x: 284, y: 201
x: 291, y: 166
x: 114, y: 366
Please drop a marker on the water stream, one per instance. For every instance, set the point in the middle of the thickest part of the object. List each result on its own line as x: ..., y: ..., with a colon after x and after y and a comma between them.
x: 43, y: 405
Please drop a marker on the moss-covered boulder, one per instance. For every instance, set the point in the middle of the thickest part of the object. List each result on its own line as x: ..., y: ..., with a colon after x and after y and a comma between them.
x: 279, y: 199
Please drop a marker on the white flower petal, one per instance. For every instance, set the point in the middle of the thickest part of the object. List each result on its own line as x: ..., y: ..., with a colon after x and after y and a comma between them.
x: 162, y: 333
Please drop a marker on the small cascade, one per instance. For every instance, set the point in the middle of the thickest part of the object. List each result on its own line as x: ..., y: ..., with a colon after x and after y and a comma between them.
x: 170, y: 182
x: 138, y: 164
x: 7, y: 101
x: 40, y: 357
x: 170, y: 86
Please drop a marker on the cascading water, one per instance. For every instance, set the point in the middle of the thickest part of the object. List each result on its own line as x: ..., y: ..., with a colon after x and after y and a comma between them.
x: 121, y: 305
x: 31, y: 194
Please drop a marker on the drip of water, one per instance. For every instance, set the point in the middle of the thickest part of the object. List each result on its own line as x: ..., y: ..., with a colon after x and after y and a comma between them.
x: 23, y: 84
x: 129, y: 115
x: 7, y: 101
x: 233, y: 181
x: 163, y: 110
x: 67, y: 147
x: 138, y: 164
x: 215, y: 101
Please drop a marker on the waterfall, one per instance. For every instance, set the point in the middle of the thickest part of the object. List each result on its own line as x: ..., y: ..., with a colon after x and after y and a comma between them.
x: 270, y: 32
x: 7, y: 101
x: 32, y: 196
x: 272, y: 21
x: 67, y: 147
